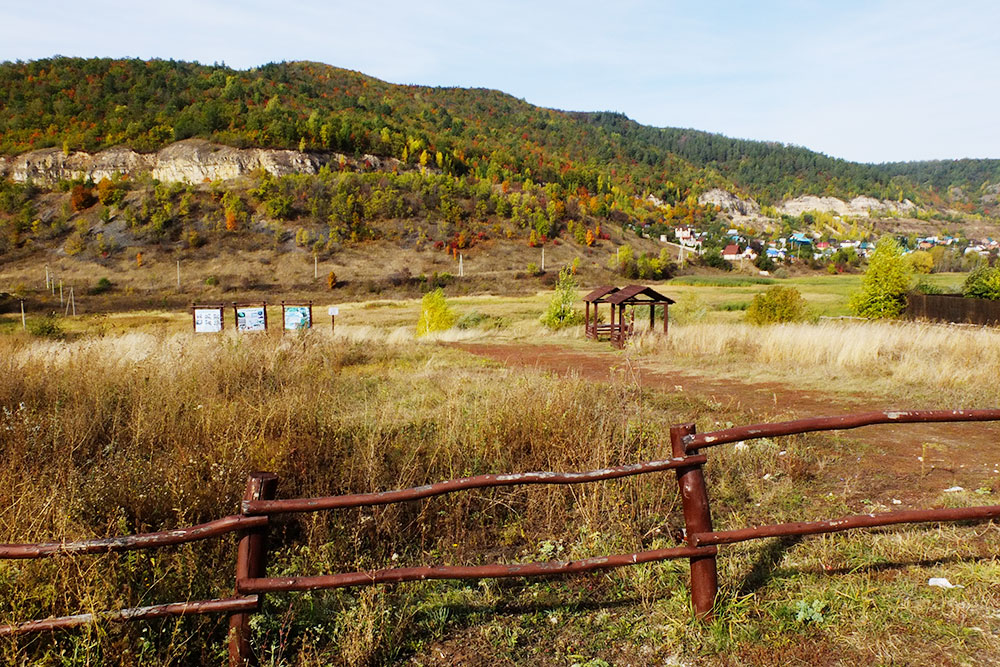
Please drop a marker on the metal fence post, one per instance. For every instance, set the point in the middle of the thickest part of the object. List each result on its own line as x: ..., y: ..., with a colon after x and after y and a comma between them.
x: 697, y: 519
x: 250, y: 562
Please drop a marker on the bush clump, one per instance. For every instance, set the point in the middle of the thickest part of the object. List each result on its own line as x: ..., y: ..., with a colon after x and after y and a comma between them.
x: 103, y: 285
x: 46, y: 327
x: 435, y: 313
x: 561, y: 312
x: 713, y: 258
x: 983, y: 283
x: 776, y: 304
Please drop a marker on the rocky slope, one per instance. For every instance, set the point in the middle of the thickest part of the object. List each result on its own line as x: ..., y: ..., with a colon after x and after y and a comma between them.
x: 859, y: 207
x: 190, y: 161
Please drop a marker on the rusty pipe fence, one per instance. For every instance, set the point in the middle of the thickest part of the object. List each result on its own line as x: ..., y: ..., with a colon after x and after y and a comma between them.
x: 259, y: 504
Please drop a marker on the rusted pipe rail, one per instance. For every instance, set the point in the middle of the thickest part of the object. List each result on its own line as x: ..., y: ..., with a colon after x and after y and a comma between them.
x: 254, y: 507
x: 980, y: 513
x: 702, y: 440
x: 202, y: 531
x: 497, y: 571
x: 227, y: 605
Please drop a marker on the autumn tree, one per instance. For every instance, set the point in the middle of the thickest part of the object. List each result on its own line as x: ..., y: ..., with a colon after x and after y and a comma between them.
x: 885, y: 283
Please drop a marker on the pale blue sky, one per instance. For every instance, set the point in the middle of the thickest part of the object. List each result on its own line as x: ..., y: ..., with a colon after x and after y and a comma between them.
x: 869, y: 81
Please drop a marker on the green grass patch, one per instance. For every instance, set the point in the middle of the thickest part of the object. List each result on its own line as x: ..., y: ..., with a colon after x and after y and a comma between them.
x: 722, y: 281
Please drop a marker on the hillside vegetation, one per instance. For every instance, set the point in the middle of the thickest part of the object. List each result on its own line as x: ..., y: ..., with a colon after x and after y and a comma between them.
x: 90, y: 104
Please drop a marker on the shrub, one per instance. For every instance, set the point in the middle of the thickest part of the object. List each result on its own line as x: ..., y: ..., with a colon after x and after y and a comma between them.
x: 983, y: 283
x: 435, y: 314
x: 764, y: 263
x: 776, y: 304
x: 331, y: 280
x: 713, y: 257
x: 46, y: 327
x: 623, y: 262
x: 103, y: 285
x: 110, y: 193
x: 561, y: 312
x: 478, y: 320
x: 885, y: 283
x: 924, y: 287
x: 82, y: 197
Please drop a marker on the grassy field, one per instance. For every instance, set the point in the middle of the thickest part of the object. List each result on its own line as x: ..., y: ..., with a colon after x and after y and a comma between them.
x: 132, y: 423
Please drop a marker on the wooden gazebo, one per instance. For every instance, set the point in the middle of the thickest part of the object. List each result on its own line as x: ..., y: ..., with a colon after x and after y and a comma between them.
x: 634, y: 295
x: 598, y: 296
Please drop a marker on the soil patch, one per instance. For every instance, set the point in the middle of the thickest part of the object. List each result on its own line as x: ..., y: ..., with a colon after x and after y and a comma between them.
x: 961, y: 454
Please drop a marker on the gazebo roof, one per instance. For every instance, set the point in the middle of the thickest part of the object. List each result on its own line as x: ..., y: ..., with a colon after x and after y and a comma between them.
x: 630, y: 294
x: 598, y: 294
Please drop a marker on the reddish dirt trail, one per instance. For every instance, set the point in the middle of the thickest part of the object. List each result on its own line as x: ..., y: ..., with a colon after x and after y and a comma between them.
x: 964, y: 455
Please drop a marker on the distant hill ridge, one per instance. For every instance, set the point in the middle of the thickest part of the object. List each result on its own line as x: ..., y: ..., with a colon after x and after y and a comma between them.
x: 76, y: 105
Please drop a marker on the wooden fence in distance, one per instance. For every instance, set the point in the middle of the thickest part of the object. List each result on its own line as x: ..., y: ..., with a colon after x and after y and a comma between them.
x: 687, y: 461
x: 952, y: 308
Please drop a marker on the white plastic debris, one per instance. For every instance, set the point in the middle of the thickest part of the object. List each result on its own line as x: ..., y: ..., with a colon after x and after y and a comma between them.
x: 740, y: 446
x: 941, y: 582
x: 782, y: 453
x: 954, y: 489
x: 767, y: 476
x: 897, y: 501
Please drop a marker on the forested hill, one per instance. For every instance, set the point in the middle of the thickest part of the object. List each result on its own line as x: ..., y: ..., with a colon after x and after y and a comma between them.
x: 90, y: 104
x: 773, y: 170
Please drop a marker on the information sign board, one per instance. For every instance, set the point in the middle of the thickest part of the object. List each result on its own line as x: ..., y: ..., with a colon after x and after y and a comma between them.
x: 251, y: 318
x: 297, y: 317
x: 207, y: 320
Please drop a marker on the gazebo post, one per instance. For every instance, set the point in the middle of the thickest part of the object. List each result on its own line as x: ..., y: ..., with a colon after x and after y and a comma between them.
x: 586, y: 319
x: 621, y: 325
x: 665, y: 318
x: 652, y: 316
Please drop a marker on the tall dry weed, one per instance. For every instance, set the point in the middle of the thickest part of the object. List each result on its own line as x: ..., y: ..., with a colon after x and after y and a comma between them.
x: 903, y: 358
x: 118, y: 435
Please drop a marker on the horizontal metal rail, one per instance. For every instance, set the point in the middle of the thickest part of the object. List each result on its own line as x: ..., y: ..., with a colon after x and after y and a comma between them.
x: 202, y: 531
x: 480, y: 481
x: 981, y: 513
x: 702, y: 440
x: 372, y: 578
x: 227, y: 605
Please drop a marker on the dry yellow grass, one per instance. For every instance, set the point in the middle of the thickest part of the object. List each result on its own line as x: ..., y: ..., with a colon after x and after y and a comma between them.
x: 902, y: 359
x: 155, y: 428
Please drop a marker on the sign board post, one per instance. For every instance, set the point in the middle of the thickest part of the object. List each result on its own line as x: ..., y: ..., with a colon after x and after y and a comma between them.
x: 334, y: 311
x: 296, y: 316
x: 250, y: 316
x: 207, y: 318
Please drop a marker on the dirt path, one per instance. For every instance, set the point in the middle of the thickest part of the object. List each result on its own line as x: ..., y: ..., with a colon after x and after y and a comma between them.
x: 966, y: 455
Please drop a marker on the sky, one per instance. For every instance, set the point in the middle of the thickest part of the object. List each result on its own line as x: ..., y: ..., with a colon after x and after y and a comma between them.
x: 868, y: 81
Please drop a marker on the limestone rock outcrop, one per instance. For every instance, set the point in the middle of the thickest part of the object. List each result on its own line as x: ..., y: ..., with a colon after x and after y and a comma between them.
x: 188, y: 161
x: 730, y: 203
x: 859, y: 207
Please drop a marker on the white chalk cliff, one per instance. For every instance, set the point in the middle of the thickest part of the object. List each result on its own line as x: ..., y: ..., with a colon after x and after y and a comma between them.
x: 188, y: 161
